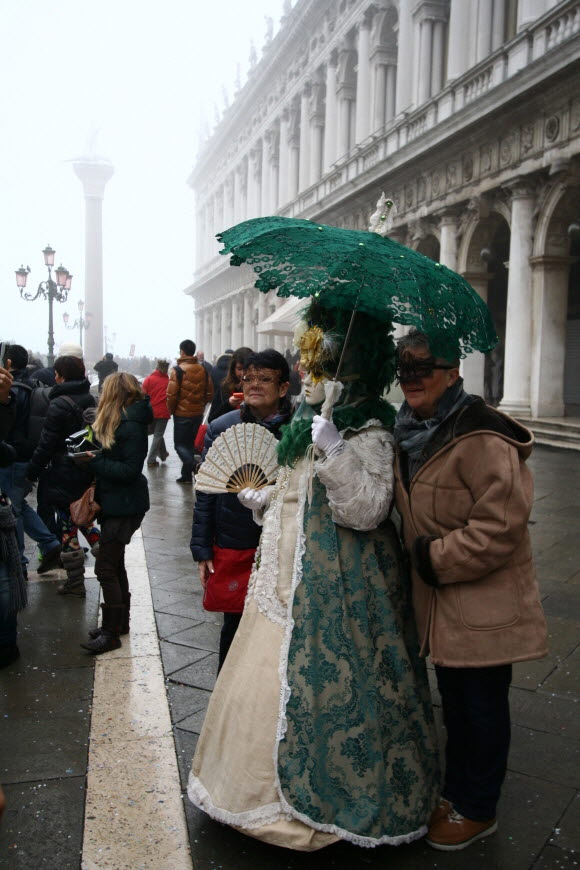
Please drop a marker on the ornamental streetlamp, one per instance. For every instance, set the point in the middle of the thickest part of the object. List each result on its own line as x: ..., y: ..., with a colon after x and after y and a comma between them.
x: 81, y: 323
x: 50, y: 289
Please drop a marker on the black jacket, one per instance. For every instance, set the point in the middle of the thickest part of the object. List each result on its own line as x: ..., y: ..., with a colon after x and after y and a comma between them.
x: 18, y: 437
x: 222, y: 520
x: 121, y: 489
x: 104, y: 368
x: 61, y: 481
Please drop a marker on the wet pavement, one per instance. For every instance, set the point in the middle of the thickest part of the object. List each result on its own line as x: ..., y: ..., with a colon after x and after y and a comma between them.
x: 45, y: 708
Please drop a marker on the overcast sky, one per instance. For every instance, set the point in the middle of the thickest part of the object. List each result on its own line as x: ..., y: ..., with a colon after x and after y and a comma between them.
x: 144, y: 74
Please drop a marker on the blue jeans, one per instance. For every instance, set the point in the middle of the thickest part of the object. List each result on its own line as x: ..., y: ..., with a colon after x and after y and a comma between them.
x: 7, y: 620
x: 13, y: 483
x: 184, y: 432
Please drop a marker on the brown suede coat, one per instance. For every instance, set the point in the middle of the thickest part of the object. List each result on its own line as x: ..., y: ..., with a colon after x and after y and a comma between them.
x: 473, y: 495
x: 189, y: 398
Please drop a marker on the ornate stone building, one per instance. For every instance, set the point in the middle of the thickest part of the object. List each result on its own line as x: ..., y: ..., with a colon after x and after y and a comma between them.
x: 467, y: 114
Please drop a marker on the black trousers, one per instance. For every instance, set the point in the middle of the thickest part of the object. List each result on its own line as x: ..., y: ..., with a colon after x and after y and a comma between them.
x: 116, y: 533
x: 229, y: 628
x: 184, y: 432
x: 477, y: 718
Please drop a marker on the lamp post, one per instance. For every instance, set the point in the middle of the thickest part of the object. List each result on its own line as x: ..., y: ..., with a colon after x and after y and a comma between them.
x: 50, y: 289
x: 81, y: 323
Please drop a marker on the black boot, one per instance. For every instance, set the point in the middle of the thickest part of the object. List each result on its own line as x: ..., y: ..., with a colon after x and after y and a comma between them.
x: 108, y: 637
x: 9, y: 652
x: 95, y: 632
x: 74, y: 564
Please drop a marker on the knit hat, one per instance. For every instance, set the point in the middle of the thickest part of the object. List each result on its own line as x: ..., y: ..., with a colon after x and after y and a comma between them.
x: 68, y: 348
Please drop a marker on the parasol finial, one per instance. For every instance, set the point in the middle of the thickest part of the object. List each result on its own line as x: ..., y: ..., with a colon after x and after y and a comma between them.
x: 380, y: 219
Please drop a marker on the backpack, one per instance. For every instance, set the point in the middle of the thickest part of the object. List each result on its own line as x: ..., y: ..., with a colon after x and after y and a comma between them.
x: 37, y: 408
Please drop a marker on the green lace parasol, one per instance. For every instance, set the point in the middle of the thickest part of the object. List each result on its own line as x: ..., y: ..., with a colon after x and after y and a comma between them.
x: 361, y: 271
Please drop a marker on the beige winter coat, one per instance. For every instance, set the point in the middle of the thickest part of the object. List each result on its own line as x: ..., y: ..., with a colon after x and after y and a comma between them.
x: 473, y: 496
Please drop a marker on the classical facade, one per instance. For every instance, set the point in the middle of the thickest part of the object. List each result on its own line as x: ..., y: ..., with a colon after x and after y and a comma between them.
x: 467, y: 114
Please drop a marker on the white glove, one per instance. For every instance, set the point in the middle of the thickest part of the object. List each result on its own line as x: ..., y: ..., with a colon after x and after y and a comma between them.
x: 255, y: 499
x: 326, y: 437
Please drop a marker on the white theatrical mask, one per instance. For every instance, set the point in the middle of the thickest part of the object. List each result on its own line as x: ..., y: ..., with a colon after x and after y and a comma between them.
x: 314, y: 392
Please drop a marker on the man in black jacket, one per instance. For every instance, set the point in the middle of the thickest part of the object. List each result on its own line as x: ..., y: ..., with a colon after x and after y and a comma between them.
x: 220, y: 520
x: 13, y: 478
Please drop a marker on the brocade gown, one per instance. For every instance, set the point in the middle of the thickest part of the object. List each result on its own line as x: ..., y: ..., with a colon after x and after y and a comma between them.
x: 320, y: 725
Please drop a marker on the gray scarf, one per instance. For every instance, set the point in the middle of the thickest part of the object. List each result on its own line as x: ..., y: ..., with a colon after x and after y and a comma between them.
x: 412, y: 433
x: 10, y: 555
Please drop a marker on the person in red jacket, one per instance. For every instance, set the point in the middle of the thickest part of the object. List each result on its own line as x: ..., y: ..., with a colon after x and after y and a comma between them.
x: 155, y: 386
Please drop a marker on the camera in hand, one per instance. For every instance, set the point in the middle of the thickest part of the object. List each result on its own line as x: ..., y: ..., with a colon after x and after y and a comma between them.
x: 82, y: 442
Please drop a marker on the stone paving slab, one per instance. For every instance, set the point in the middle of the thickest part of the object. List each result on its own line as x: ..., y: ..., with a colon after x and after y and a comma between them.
x: 539, y: 808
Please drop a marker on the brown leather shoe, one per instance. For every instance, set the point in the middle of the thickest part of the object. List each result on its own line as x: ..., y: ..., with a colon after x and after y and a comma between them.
x: 455, y: 832
x: 441, y: 810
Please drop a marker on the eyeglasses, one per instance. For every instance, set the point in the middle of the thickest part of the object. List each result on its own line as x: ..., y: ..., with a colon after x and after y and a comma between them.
x: 262, y: 380
x: 407, y: 371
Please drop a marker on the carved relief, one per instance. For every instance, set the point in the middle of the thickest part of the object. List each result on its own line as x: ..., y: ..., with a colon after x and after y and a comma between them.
x: 467, y: 168
x: 552, y: 128
x: 527, y: 139
x: 421, y: 189
x: 507, y: 150
x: 409, y: 196
x: 436, y: 184
x: 451, y: 175
x: 486, y: 158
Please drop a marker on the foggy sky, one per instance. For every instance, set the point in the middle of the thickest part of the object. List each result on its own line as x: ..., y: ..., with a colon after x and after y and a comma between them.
x: 144, y: 74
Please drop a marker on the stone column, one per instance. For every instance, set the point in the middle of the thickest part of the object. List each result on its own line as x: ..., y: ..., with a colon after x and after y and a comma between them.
x: 330, y: 118
x: 248, y: 326
x: 498, y: 24
x: 199, y: 328
x: 484, y: 28
x: 274, y: 155
x: 304, y: 171
x: 473, y: 366
x: 380, y: 97
x: 216, y: 350
x: 284, y: 162
x: 448, y: 240
x: 226, y: 338
x: 237, y: 194
x: 294, y: 150
x: 458, y: 43
x: 391, y: 92
x: 94, y: 174
x: 405, y: 62
x: 256, y: 180
x: 316, y: 117
x: 346, y: 94
x: 229, y: 218
x: 236, y: 323
x: 263, y: 309
x: 518, y: 332
x: 550, y: 276
x: 425, y: 34
x: 363, y: 81
x: 266, y: 178
x: 437, y: 59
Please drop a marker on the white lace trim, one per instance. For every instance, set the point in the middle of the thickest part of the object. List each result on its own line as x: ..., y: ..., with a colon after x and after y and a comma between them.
x: 264, y: 580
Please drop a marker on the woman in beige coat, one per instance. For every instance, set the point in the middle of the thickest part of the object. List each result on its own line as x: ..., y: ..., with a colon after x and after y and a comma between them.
x: 465, y: 494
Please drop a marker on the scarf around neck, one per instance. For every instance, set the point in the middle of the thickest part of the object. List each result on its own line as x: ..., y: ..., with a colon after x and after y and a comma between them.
x: 412, y: 433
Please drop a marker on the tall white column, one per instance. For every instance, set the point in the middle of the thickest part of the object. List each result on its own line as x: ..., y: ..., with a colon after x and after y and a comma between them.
x: 253, y: 206
x: 518, y: 330
x: 498, y: 24
x: 425, y: 28
x: 94, y: 175
x: 284, y: 170
x: 199, y: 329
x: 459, y: 30
x: 263, y: 310
x: 448, y: 240
x: 237, y: 195
x: 229, y: 219
x: 363, y: 82
x: 379, y: 97
x: 405, y: 61
x: 437, y: 59
x: 330, y: 118
x: 391, y: 92
x: 274, y: 155
x: 550, y: 282
x: 266, y: 178
x: 248, y: 326
x: 304, y: 171
x: 473, y: 366
x: 216, y: 349
x: 236, y: 322
x: 484, y: 28
x: 226, y: 318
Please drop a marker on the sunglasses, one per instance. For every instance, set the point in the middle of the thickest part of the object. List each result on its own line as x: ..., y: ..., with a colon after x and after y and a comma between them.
x: 407, y: 371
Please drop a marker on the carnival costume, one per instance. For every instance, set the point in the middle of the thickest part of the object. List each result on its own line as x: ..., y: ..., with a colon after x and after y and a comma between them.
x: 320, y: 725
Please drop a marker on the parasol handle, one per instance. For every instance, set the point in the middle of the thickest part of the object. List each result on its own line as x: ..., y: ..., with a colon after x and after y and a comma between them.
x: 332, y: 391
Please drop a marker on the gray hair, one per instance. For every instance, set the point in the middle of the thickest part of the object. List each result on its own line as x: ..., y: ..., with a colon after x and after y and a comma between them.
x: 417, y: 340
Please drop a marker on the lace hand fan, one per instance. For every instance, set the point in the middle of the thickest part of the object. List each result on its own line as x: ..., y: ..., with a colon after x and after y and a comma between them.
x: 244, y: 455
